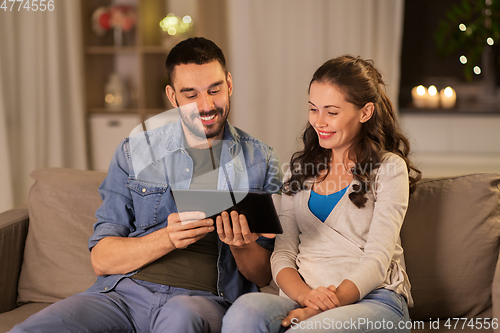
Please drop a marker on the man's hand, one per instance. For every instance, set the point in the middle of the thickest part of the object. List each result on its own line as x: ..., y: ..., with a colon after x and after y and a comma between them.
x: 239, y: 235
x: 321, y: 298
x: 121, y: 255
x: 186, y: 228
x: 299, y: 315
x: 252, y: 259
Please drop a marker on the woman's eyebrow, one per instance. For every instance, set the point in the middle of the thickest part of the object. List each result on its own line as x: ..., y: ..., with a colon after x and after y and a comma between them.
x: 326, y: 106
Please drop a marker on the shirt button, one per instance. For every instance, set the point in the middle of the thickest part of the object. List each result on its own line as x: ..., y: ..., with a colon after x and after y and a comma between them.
x: 187, y: 169
x: 143, y: 190
x: 222, y: 294
x: 105, y: 288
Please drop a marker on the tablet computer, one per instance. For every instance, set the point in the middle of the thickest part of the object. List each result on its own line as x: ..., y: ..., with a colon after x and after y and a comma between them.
x: 258, y: 207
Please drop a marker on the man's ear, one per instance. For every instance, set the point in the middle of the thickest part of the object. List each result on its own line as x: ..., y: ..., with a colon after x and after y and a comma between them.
x: 229, y: 80
x: 367, y: 112
x: 169, y: 90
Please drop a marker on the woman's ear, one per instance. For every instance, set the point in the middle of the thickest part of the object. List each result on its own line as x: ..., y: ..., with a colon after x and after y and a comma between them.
x: 169, y: 90
x: 366, y: 112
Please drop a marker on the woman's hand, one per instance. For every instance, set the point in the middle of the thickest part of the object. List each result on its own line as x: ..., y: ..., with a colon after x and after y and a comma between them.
x: 298, y: 315
x: 320, y: 299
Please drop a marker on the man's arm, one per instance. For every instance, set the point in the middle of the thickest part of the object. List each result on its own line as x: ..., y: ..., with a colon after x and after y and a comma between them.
x: 253, y: 261
x: 121, y: 255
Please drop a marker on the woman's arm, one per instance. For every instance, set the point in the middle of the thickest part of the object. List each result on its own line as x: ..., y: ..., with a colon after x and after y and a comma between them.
x: 391, y: 189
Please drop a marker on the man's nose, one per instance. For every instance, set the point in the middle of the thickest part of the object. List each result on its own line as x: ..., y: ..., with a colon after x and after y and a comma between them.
x: 205, y: 103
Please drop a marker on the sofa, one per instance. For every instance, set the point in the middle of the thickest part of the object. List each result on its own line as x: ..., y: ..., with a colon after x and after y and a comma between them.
x: 450, y: 235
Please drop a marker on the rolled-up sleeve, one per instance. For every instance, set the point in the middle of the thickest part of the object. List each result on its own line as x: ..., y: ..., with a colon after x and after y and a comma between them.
x: 115, y: 217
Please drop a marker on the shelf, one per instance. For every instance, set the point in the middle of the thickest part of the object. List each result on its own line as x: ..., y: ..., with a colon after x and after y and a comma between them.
x: 111, y: 49
x: 454, y: 111
x: 154, y: 50
x: 150, y: 111
x: 140, y: 63
x: 112, y: 111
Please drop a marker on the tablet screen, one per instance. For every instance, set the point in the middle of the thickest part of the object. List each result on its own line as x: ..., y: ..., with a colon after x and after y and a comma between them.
x: 258, y: 207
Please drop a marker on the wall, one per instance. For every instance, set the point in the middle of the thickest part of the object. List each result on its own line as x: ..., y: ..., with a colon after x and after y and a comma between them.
x: 453, y: 144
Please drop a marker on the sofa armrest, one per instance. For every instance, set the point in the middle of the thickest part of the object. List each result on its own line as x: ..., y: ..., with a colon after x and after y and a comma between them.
x: 495, y: 295
x: 13, y: 231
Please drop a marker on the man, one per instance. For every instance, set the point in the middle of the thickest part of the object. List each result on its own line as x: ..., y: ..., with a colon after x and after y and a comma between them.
x: 160, y: 270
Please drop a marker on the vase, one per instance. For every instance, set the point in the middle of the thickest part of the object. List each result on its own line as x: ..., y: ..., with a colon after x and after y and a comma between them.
x: 118, y: 36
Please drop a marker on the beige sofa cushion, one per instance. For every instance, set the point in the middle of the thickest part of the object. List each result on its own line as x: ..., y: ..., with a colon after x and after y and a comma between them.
x: 62, y: 204
x: 451, y: 241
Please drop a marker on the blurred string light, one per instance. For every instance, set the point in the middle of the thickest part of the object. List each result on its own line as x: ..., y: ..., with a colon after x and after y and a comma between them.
x: 470, y: 27
x: 173, y: 25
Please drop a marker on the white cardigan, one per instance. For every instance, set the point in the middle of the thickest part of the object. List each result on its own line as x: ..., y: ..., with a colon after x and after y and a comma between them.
x: 362, y: 245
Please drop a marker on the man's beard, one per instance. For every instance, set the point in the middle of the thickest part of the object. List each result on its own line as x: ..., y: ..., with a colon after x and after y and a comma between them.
x: 193, y: 122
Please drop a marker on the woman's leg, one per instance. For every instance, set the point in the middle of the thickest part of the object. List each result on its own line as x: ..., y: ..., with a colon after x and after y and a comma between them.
x: 380, y: 310
x: 257, y: 312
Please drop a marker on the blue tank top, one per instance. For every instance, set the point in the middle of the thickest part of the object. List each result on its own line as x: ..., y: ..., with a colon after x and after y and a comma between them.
x: 322, y: 205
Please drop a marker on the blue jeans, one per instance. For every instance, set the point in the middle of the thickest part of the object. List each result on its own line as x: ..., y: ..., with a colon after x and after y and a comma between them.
x: 134, y: 306
x: 381, y: 310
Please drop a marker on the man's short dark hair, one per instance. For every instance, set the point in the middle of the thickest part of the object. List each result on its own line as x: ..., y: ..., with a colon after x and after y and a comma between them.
x: 196, y: 50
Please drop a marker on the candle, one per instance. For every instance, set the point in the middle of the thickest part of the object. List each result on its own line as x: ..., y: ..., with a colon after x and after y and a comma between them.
x: 433, y: 97
x: 448, y: 97
x: 419, y: 95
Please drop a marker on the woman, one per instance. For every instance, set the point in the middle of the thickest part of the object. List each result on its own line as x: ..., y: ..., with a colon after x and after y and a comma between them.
x: 339, y: 263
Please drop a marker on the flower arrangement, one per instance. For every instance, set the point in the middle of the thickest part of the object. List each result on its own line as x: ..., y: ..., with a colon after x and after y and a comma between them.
x: 119, y: 17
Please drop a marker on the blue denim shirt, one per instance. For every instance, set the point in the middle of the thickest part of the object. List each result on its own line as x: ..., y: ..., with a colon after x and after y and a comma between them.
x: 137, y: 199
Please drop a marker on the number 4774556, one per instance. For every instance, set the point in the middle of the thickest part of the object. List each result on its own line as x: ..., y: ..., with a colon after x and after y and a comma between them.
x: 477, y: 323
x: 27, y: 5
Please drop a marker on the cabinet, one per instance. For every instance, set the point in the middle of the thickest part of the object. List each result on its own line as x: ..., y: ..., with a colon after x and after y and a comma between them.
x: 139, y: 61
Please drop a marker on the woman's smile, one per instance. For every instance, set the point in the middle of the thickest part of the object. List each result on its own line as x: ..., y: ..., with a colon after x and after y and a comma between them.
x: 325, y: 135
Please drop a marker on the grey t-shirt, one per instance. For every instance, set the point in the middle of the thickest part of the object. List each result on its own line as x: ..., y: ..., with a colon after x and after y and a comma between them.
x: 194, y: 267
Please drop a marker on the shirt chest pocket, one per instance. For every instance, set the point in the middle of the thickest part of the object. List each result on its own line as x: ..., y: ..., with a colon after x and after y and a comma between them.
x: 256, y: 175
x: 151, y: 203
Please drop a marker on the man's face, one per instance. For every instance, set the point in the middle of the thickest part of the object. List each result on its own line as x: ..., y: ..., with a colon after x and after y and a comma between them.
x: 208, y: 87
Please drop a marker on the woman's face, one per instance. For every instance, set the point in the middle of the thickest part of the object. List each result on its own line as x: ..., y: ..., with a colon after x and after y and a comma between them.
x: 336, y: 121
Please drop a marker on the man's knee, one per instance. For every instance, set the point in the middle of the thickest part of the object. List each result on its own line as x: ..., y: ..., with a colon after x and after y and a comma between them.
x: 186, y: 307
x: 77, y: 313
